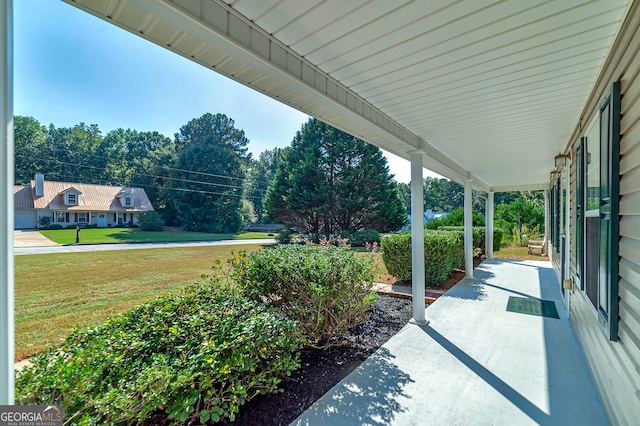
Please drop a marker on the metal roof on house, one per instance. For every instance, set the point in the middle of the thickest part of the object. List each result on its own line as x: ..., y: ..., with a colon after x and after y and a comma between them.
x: 91, y: 197
x: 22, y: 197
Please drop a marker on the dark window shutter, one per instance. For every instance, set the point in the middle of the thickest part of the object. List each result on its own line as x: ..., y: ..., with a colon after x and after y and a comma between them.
x: 609, y: 218
x: 115, y: 217
x: 66, y: 217
x: 580, y: 209
x: 556, y: 214
x: 75, y: 217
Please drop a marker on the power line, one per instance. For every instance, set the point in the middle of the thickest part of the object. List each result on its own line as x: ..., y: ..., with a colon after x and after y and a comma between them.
x: 168, y: 167
x: 159, y: 177
x: 145, y: 174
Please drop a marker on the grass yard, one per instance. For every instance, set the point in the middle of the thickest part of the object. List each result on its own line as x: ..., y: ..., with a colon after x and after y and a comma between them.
x: 516, y: 252
x: 135, y: 235
x: 57, y: 292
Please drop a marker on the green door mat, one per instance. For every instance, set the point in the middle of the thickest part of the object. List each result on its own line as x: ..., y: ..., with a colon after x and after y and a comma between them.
x: 541, y: 308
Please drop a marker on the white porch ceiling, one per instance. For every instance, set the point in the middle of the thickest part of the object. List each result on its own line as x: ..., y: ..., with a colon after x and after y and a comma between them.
x: 489, y: 90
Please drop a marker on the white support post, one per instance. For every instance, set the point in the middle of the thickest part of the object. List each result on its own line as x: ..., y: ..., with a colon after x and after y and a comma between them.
x: 6, y: 205
x: 489, y: 225
x: 468, y: 229
x: 417, y: 238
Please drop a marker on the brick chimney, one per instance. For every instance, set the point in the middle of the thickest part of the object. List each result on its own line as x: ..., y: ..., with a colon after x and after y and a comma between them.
x: 39, y: 185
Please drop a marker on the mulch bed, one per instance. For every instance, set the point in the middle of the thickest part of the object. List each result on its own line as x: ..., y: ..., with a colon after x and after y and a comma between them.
x: 320, y: 370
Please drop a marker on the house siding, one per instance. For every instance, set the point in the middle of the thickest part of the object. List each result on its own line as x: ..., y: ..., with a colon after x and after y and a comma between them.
x: 615, y: 366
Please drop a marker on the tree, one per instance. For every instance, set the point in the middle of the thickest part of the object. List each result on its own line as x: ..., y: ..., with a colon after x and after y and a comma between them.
x: 524, y: 213
x: 30, y: 148
x: 259, y: 175
x: 140, y: 159
x: 329, y: 181
x: 208, y: 175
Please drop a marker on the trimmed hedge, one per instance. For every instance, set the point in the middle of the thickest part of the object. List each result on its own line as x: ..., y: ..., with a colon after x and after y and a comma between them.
x: 443, y: 251
x: 54, y: 226
x: 199, y: 354
x: 361, y: 238
x: 479, y: 235
x: 325, y: 289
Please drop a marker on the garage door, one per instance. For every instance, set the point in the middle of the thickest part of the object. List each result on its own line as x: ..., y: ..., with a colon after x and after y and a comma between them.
x: 24, y: 219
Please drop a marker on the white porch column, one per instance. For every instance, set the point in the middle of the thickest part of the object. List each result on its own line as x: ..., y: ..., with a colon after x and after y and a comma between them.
x: 489, y: 225
x: 6, y: 204
x: 468, y: 229
x: 417, y: 238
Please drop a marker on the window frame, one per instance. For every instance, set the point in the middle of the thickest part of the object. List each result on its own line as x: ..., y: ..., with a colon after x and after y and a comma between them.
x: 69, y: 201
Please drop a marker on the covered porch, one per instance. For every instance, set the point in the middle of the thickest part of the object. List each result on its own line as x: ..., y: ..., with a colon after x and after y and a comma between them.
x: 486, y: 93
x: 474, y: 363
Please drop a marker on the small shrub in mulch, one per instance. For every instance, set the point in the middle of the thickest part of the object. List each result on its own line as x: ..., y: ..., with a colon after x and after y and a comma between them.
x: 325, y: 289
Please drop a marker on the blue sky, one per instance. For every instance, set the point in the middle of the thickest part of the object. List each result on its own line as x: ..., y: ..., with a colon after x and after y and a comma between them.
x: 70, y: 67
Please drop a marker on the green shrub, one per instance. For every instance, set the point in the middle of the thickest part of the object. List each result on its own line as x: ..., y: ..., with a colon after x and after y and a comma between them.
x: 325, y: 289
x: 361, y: 238
x: 443, y: 251
x: 284, y: 236
x: 479, y: 235
x: 396, y: 254
x: 456, y: 218
x: 54, y: 226
x: 45, y: 221
x: 151, y: 221
x: 92, y: 225
x: 198, y: 354
x: 72, y: 226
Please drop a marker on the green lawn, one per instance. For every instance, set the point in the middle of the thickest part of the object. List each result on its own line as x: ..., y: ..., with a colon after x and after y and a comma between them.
x: 135, y: 235
x: 57, y: 292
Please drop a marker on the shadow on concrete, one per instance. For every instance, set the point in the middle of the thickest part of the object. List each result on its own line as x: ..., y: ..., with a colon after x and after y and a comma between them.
x: 526, y: 406
x: 368, y: 396
x: 470, y: 288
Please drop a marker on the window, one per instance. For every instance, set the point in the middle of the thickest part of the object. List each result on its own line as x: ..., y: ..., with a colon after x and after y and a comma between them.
x: 128, y: 202
x: 82, y: 217
x: 598, y: 192
x: 61, y: 217
x: 72, y: 199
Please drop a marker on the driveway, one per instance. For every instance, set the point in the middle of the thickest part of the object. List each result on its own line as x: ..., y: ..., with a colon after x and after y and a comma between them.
x: 31, y: 238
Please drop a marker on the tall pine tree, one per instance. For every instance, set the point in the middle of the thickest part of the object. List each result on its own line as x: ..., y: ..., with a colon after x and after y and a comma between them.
x: 329, y: 181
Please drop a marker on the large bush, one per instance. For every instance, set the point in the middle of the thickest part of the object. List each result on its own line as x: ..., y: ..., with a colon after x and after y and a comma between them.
x: 479, y: 236
x: 325, y: 289
x: 443, y: 251
x: 198, y: 354
x: 151, y: 221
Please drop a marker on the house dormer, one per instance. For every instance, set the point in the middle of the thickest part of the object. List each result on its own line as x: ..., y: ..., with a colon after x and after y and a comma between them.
x: 70, y: 196
x: 127, y: 199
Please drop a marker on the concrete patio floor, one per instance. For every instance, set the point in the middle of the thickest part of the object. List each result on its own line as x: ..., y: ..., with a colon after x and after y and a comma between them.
x: 474, y: 364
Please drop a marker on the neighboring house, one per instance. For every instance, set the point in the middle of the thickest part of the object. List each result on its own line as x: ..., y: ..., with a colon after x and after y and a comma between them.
x: 429, y: 215
x: 67, y: 203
